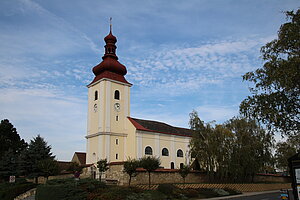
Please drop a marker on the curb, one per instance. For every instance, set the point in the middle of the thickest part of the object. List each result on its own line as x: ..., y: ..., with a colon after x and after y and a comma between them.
x: 246, y: 194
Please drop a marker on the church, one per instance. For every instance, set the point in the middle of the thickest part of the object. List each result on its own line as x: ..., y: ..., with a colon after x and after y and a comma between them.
x: 113, y: 134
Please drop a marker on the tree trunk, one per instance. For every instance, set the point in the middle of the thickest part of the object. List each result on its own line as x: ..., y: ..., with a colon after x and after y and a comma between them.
x: 36, y: 180
x: 149, y: 180
x: 129, y: 180
x: 100, y: 174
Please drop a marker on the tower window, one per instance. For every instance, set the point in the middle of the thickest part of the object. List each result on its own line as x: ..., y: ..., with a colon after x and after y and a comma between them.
x: 179, y: 153
x: 165, y: 152
x: 96, y: 95
x: 117, y: 141
x: 117, y: 156
x: 148, y: 150
x: 117, y: 118
x: 117, y: 95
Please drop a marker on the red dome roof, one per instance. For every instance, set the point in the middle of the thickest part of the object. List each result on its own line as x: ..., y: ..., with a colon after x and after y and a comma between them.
x: 110, y: 66
x: 110, y: 38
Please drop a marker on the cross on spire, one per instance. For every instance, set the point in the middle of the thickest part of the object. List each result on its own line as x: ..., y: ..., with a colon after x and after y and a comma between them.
x: 110, y: 24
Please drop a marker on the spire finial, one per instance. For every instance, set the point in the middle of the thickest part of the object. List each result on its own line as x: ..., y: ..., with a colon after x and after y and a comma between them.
x: 110, y: 24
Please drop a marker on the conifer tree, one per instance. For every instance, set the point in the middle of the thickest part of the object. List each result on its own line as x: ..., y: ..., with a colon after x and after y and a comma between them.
x: 38, y: 150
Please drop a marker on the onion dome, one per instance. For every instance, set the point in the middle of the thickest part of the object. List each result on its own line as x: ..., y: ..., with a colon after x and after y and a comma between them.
x: 110, y: 66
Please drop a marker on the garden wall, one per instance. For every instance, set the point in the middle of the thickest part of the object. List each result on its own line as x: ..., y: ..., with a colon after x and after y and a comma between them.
x: 115, y: 172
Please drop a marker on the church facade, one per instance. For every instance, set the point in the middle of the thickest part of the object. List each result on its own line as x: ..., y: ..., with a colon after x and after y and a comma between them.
x: 113, y: 134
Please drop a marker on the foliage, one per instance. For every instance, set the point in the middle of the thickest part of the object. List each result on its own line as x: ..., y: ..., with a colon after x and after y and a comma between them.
x: 251, y: 149
x: 212, y: 145
x: 8, y: 164
x: 74, y: 167
x: 9, y: 191
x: 286, y: 149
x: 150, y: 164
x: 184, y: 171
x: 11, y: 146
x: 130, y: 167
x: 9, y: 138
x: 233, y: 151
x: 38, y: 150
x: 102, y: 166
x: 48, y: 167
x: 275, y: 96
x: 68, y: 189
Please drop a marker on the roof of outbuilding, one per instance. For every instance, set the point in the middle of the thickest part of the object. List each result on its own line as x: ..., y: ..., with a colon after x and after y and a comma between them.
x: 81, y: 157
x: 159, y: 127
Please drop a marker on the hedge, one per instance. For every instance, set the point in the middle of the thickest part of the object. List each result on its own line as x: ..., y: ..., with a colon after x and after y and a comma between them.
x: 8, y: 191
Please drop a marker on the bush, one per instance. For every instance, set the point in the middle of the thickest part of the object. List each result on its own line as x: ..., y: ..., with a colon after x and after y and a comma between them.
x: 9, y: 191
x: 168, y: 189
x: 68, y: 189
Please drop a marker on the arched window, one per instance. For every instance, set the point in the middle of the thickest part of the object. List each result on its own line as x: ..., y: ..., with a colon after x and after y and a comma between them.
x: 165, y: 152
x: 96, y: 95
x: 181, y: 165
x: 148, y: 150
x: 179, y: 153
x: 172, y: 165
x: 117, y: 94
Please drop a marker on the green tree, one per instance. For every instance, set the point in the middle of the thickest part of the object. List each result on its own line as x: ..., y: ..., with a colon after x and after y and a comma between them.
x: 102, y: 166
x: 38, y: 150
x: 8, y: 164
x: 9, y: 138
x: 286, y: 149
x: 184, y: 171
x: 150, y: 164
x: 74, y: 166
x: 48, y: 167
x: 275, y: 98
x: 251, y: 149
x: 130, y: 167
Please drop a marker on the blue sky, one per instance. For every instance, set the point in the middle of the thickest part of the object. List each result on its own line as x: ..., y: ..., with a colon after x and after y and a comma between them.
x: 180, y: 56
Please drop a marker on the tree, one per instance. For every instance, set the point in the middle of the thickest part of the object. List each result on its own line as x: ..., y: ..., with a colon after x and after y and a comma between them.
x: 74, y: 167
x: 48, y: 167
x: 184, y: 171
x: 102, y: 166
x: 8, y: 164
x: 286, y: 149
x: 251, y: 148
x: 38, y: 150
x: 275, y: 98
x: 212, y: 146
x: 235, y: 150
x: 9, y: 138
x: 130, y: 167
x: 150, y: 164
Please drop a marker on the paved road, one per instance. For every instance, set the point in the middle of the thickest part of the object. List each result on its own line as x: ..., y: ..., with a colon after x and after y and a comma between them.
x: 267, y: 196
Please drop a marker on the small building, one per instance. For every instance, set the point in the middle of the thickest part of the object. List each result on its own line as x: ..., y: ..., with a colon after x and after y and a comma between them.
x: 80, y: 158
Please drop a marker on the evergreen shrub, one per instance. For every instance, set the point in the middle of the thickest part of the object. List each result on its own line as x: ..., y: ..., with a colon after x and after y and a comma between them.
x: 9, y: 191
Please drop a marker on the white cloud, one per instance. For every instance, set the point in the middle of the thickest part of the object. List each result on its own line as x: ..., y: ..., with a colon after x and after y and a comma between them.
x: 220, y: 114
x: 60, y: 118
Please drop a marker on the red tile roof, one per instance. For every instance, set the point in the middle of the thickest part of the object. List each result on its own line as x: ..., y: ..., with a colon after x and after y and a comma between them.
x: 159, y: 127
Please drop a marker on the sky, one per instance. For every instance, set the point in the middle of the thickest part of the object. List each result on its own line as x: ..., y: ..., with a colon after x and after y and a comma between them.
x: 180, y: 56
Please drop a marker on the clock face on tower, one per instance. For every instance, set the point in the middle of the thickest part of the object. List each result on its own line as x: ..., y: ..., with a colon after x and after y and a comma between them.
x: 117, y: 107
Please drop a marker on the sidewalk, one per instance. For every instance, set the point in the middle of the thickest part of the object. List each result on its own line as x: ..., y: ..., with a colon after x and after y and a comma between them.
x: 246, y: 194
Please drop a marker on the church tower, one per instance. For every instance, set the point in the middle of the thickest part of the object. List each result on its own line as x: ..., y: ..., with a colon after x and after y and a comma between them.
x: 108, y: 107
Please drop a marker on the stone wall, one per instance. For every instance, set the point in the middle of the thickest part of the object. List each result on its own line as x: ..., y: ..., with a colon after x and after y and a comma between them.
x: 115, y: 172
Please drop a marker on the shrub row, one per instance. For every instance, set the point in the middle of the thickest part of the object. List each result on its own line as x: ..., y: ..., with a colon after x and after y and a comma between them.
x: 8, y: 191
